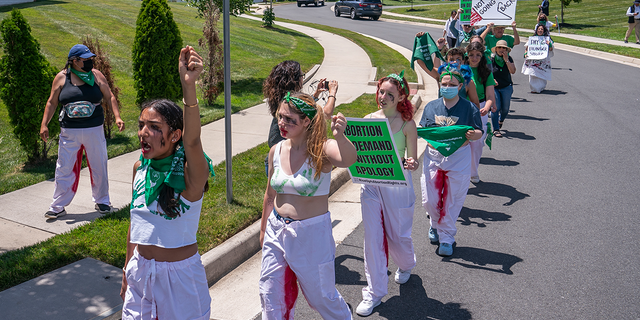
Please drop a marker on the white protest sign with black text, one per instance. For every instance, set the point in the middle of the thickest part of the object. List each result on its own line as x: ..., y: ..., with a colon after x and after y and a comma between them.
x: 537, y: 48
x: 482, y: 12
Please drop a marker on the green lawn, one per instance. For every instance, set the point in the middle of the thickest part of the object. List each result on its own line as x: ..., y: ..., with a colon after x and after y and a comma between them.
x: 58, y: 25
x: 596, y: 18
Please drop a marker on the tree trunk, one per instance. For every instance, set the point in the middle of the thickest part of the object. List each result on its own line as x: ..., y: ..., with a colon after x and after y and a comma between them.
x: 562, y: 11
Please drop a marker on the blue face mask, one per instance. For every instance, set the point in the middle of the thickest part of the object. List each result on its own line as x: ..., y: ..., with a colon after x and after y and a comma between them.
x: 449, y: 92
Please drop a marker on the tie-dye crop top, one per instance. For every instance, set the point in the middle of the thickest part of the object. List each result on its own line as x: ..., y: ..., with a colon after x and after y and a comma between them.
x: 301, y: 183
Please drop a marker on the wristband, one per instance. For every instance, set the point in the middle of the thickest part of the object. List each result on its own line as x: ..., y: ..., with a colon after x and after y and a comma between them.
x: 332, y: 96
x: 192, y: 105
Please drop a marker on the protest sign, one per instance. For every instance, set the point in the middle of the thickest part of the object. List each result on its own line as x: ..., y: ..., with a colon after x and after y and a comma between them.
x: 377, y: 159
x: 482, y: 12
x: 537, y: 48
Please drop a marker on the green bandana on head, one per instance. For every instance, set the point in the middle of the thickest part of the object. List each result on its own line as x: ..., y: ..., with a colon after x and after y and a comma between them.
x: 169, y: 171
x: 451, y: 71
x: 86, y: 77
x: 400, y: 78
x: 308, y: 110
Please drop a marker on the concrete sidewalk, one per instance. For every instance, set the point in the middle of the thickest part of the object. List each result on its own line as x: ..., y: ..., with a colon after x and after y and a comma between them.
x: 88, y: 297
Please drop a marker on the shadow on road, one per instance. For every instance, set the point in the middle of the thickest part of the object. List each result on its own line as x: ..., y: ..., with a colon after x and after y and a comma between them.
x: 486, y: 189
x: 475, y: 258
x: 516, y: 135
x: 553, y: 92
x: 413, y: 303
x: 495, y: 162
x: 467, y: 217
x: 524, y: 117
x: 516, y: 99
x: 346, y: 276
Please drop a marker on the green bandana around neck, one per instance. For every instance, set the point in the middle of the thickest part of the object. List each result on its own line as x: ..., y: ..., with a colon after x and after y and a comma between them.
x: 308, y: 110
x: 499, y: 60
x: 86, y: 77
x: 445, y: 139
x: 400, y: 78
x: 467, y: 36
x: 169, y: 171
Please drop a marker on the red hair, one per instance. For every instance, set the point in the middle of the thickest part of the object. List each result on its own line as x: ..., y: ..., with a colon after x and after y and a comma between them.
x: 404, y: 106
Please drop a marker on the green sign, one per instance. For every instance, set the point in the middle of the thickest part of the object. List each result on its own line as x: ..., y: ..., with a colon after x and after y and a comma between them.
x: 378, y: 162
x: 465, y: 16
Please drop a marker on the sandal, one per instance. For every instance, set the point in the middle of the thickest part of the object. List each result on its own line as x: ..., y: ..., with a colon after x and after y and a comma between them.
x: 500, y: 124
x: 497, y: 134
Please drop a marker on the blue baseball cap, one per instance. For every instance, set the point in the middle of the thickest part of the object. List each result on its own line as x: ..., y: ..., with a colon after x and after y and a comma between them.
x: 80, y: 50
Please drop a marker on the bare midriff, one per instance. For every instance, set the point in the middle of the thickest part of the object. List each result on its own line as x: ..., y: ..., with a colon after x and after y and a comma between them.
x: 159, y: 254
x: 300, y: 207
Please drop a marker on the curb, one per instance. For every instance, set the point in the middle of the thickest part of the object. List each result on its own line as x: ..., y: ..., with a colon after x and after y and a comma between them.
x: 227, y: 256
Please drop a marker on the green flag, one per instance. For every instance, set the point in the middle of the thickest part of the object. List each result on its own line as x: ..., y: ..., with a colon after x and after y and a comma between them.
x: 445, y: 139
x: 489, y: 134
x: 423, y: 48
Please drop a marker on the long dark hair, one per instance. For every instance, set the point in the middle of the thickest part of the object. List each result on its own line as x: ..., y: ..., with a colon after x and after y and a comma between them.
x: 483, y: 69
x: 173, y: 116
x: 285, y: 77
x: 545, y: 32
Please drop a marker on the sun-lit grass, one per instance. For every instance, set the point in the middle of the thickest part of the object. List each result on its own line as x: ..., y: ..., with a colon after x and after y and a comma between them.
x: 58, y: 25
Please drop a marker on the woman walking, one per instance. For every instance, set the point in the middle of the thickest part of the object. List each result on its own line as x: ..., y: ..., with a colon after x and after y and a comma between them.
x: 502, y: 67
x: 483, y: 79
x: 387, y: 212
x: 538, y: 70
x: 163, y: 276
x: 296, y: 234
x: 80, y: 89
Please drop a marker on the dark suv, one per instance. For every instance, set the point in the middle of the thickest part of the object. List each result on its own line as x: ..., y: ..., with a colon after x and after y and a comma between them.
x: 359, y: 8
x: 308, y: 2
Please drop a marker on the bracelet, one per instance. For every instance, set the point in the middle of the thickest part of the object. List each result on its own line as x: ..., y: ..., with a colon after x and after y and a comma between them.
x: 332, y: 96
x: 188, y: 105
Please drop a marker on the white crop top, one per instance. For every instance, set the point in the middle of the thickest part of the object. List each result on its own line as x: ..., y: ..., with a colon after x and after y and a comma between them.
x: 149, y: 227
x: 301, y: 183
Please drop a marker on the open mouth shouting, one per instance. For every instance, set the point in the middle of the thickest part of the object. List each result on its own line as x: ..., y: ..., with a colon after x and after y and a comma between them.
x: 144, y: 146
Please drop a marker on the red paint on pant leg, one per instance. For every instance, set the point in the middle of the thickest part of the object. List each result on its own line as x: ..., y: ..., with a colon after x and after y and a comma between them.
x: 76, y: 169
x: 290, y: 291
x: 385, y: 243
x: 441, y: 183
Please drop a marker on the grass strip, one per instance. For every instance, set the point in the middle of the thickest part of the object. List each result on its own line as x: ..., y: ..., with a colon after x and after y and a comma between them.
x: 58, y: 25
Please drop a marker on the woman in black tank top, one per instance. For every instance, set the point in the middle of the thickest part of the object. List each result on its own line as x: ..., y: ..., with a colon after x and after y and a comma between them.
x: 80, y: 90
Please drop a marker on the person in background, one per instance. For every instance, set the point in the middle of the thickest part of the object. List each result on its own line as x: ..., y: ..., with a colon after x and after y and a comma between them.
x: 445, y: 179
x: 483, y: 79
x: 295, y: 232
x: 446, y: 33
x: 502, y: 67
x: 544, y: 7
x: 539, y: 71
x: 634, y: 21
x: 543, y: 20
x: 455, y: 57
x: 387, y: 212
x: 288, y: 77
x: 464, y: 32
x: 80, y: 89
x: 490, y: 40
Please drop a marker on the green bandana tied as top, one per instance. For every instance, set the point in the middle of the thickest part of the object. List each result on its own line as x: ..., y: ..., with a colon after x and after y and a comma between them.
x: 423, y: 48
x: 445, y: 139
x: 308, y: 110
x: 87, y: 77
x: 169, y: 171
x: 400, y: 78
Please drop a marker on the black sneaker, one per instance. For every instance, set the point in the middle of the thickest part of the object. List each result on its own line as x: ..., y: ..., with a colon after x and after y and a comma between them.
x: 103, y: 208
x: 54, y: 215
x: 626, y: 41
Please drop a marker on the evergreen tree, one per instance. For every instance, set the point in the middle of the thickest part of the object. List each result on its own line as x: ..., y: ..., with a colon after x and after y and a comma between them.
x: 25, y: 83
x: 156, y: 48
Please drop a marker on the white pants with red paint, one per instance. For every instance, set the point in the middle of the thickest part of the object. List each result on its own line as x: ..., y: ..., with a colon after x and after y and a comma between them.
x: 445, y: 182
x: 70, y: 148
x: 166, y: 290
x: 387, y: 215
x: 477, y: 145
x: 302, y: 250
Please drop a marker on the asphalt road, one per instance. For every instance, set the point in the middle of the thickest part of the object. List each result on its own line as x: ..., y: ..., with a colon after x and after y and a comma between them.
x: 551, y: 232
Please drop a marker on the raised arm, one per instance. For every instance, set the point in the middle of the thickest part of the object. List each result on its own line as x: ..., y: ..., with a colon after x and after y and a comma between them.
x: 516, y: 40
x: 486, y: 31
x: 196, y: 168
x: 340, y: 151
x: 331, y: 99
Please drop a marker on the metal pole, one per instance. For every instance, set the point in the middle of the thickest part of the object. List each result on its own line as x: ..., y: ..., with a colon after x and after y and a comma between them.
x: 227, y: 100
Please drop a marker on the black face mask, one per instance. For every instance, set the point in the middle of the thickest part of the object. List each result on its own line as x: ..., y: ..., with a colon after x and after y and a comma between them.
x: 87, y: 66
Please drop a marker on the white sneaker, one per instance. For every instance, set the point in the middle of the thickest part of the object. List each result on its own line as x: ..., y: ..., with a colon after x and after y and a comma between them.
x: 475, y: 179
x: 402, y: 276
x: 365, y: 307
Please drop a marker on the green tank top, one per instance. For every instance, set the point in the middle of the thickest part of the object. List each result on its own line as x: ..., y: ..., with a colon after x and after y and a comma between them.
x: 401, y: 141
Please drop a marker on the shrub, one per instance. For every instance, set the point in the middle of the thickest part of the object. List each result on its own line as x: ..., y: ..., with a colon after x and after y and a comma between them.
x: 212, y: 83
x: 268, y: 17
x: 156, y: 49
x: 102, y: 63
x: 25, y: 83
